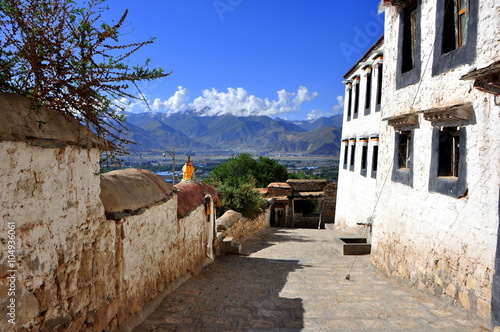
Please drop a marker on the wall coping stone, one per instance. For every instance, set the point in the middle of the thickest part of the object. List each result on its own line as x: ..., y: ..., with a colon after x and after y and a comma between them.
x: 131, y: 191
x: 43, y: 127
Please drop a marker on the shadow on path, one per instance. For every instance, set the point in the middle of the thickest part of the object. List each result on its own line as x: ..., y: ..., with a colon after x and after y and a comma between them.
x: 235, y: 292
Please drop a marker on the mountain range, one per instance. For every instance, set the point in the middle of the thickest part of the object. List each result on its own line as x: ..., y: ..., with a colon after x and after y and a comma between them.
x: 156, y: 132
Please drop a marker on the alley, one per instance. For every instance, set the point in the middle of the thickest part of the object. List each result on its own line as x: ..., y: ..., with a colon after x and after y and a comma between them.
x: 294, y: 280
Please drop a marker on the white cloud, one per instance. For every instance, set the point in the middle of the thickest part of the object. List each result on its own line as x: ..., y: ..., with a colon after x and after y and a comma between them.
x: 239, y: 102
x: 303, y: 95
x: 233, y: 101
x: 337, y: 109
x: 315, y: 114
x: 175, y: 103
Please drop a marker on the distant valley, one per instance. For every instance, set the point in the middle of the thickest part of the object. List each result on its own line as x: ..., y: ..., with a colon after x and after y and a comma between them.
x: 188, y: 131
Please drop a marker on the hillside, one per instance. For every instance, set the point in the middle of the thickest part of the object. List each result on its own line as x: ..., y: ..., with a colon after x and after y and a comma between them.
x: 187, y: 130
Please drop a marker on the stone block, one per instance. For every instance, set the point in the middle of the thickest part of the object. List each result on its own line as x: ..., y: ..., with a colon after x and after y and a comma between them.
x: 85, y: 272
x: 483, y: 308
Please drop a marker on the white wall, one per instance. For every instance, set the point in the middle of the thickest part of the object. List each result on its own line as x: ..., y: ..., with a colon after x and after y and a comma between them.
x: 355, y: 192
x: 442, y: 244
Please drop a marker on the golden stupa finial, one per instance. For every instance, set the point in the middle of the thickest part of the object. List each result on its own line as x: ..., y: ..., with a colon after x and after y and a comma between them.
x: 188, y: 170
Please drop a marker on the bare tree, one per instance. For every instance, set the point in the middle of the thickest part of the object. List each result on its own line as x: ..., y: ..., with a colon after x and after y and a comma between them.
x: 66, y: 58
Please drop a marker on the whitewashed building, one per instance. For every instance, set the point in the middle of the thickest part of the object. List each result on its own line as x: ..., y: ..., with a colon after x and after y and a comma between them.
x: 360, y: 139
x: 435, y: 207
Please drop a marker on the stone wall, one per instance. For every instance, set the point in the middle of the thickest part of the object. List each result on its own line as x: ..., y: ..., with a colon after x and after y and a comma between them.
x: 157, y: 247
x: 443, y: 245
x: 68, y: 261
x: 50, y: 196
x: 239, y: 227
x: 329, y: 203
x: 307, y: 185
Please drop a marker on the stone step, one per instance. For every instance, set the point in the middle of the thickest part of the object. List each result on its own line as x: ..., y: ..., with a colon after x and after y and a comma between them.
x: 228, y: 247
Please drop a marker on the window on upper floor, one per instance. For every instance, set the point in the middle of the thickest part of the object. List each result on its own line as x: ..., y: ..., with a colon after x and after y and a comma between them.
x: 356, y: 98
x: 409, y: 38
x: 408, y: 69
x: 368, y: 95
x: 455, y: 19
x: 379, y: 85
x: 349, y: 100
x: 456, y: 34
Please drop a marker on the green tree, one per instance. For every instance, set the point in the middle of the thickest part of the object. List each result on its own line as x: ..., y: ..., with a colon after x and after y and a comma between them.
x: 66, y: 58
x: 237, y: 178
x: 242, y: 198
x: 244, y: 168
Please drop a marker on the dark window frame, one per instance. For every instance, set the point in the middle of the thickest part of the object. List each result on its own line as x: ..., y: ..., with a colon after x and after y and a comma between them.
x: 374, y: 165
x: 368, y: 91
x: 449, y: 185
x: 444, y: 59
x: 349, y: 106
x: 378, y: 102
x: 403, y: 175
x: 404, y: 149
x: 346, y: 154
x: 352, y: 156
x: 355, y: 109
x: 364, y: 158
x: 449, y: 151
x: 404, y: 75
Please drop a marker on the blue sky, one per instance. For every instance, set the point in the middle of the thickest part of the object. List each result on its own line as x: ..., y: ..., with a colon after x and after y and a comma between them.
x: 281, y: 58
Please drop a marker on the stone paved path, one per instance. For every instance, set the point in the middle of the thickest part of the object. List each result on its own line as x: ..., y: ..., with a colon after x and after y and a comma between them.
x: 294, y: 280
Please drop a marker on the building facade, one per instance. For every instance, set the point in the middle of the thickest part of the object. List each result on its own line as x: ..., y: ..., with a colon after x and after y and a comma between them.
x: 360, y: 138
x: 435, y: 212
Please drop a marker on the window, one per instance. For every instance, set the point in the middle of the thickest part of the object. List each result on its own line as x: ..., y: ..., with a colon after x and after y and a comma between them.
x: 404, y: 148
x: 379, y: 84
x: 364, y: 157
x: 448, y: 152
x: 356, y: 98
x: 368, y: 96
x: 349, y: 100
x: 448, y: 169
x: 456, y: 34
x: 402, y: 170
x: 346, y: 150
x: 374, y: 158
x: 409, y: 37
x: 353, y: 155
x: 408, y: 66
x: 455, y: 20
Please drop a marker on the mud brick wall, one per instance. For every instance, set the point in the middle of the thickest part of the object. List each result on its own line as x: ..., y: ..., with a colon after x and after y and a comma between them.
x: 241, y: 228
x: 82, y: 258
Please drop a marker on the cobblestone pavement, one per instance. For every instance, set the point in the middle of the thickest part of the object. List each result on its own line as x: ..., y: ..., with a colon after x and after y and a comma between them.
x: 294, y: 280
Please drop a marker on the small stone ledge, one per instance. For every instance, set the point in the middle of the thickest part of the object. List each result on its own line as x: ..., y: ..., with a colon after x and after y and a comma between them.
x: 226, y: 220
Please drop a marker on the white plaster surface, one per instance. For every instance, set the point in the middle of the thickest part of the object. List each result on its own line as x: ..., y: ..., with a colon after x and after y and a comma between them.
x: 441, y: 244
